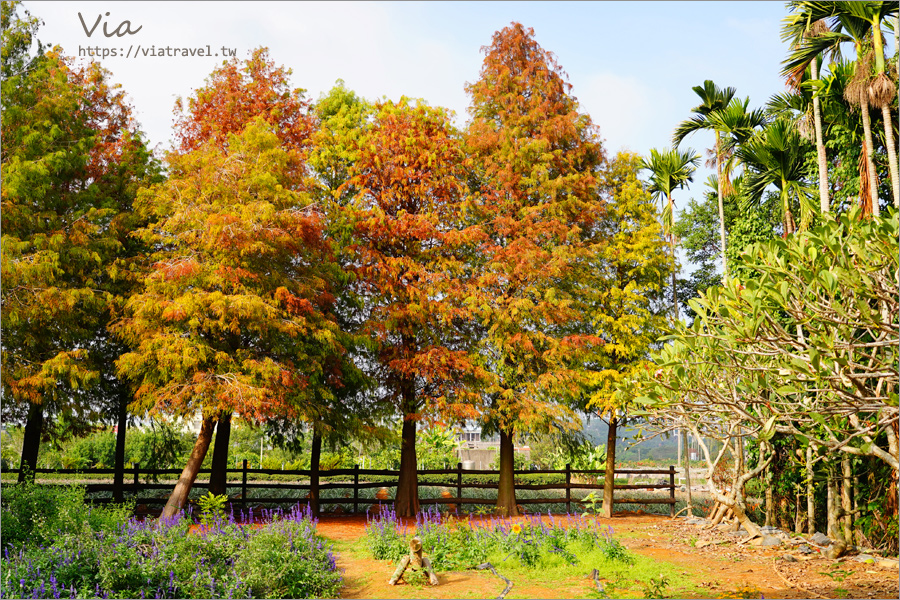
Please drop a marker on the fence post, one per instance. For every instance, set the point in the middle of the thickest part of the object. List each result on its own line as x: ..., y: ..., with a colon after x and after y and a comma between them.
x: 568, y: 488
x: 458, y: 486
x: 672, y: 490
x: 355, y: 489
x: 136, y: 469
x: 244, y: 487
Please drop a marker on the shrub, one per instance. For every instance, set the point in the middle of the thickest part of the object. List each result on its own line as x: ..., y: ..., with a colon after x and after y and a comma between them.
x: 37, y: 514
x: 454, y: 547
x: 162, y: 559
x: 287, y: 560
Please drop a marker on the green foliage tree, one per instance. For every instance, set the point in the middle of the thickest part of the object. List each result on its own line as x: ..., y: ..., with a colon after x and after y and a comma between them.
x: 713, y: 99
x: 775, y: 156
x: 670, y: 169
x: 747, y: 366
x: 72, y: 160
x: 630, y: 266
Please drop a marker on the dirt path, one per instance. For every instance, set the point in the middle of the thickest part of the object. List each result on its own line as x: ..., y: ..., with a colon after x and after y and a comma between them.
x: 725, y: 569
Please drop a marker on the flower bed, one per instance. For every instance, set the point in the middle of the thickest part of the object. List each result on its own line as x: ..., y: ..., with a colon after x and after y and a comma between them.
x: 282, y: 558
x: 454, y: 546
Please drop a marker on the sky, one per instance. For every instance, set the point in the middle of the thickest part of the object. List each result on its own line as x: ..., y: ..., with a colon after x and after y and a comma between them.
x: 631, y: 64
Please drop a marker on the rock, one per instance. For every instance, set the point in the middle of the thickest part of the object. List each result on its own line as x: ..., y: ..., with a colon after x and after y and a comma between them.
x: 768, y: 529
x: 739, y: 533
x: 836, y: 550
x: 788, y: 558
x: 887, y: 563
x: 865, y: 558
x: 820, y: 539
x: 766, y: 540
x: 696, y: 521
x: 804, y: 549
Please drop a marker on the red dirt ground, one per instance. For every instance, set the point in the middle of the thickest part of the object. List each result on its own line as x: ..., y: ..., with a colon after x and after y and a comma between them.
x: 725, y: 567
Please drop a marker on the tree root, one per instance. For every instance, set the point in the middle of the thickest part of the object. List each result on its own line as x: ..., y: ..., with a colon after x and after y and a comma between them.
x: 509, y: 584
x: 796, y: 586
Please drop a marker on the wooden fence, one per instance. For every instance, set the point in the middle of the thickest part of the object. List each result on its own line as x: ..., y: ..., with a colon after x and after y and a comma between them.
x: 357, y: 479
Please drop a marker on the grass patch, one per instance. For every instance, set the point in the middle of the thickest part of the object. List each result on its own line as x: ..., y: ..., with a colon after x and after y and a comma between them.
x: 533, y: 554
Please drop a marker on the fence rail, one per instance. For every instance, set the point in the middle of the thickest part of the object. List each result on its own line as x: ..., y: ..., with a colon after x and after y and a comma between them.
x: 314, y: 486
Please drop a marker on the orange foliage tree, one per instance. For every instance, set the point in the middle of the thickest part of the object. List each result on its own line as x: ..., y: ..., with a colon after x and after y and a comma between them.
x: 537, y: 201
x: 235, y: 312
x: 408, y: 171
x: 235, y: 93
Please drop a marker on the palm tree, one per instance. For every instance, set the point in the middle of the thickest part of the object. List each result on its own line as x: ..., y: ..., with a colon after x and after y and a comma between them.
x: 735, y: 125
x: 858, y: 23
x: 713, y: 99
x: 775, y: 156
x: 670, y: 170
x: 795, y: 29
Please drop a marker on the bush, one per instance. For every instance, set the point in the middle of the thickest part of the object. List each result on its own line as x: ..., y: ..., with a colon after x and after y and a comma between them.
x: 287, y: 560
x: 454, y: 547
x: 38, y: 514
x: 162, y: 559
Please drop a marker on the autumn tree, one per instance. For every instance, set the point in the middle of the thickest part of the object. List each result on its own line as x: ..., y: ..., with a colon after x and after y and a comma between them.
x: 234, y: 314
x: 628, y: 269
x: 342, y: 117
x: 235, y: 93
x: 72, y: 160
x: 535, y: 162
x: 408, y: 170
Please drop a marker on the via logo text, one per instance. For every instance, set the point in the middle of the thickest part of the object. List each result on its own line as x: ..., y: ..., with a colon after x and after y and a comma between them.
x: 123, y: 29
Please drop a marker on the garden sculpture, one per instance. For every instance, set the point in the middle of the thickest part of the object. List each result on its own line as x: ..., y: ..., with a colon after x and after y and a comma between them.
x: 415, y: 561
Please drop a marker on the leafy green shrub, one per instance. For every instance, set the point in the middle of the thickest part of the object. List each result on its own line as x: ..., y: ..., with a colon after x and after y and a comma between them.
x: 212, y: 508
x: 287, y: 560
x: 37, y: 514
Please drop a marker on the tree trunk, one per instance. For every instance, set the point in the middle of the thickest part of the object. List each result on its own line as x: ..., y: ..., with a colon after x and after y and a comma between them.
x: 831, y: 506
x: 506, y: 490
x: 314, y: 460
x: 869, y: 149
x: 824, y: 200
x: 32, y: 442
x: 610, y: 480
x: 859, y: 534
x: 687, y: 474
x: 770, y: 497
x: 406, y: 503
x: 674, y: 260
x: 721, y: 209
x: 810, y: 493
x: 189, y: 474
x: 119, y: 475
x: 218, y: 478
x: 892, y: 154
x: 846, y: 501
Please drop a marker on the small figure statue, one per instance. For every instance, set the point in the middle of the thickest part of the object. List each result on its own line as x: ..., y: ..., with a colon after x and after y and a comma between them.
x: 416, y: 561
